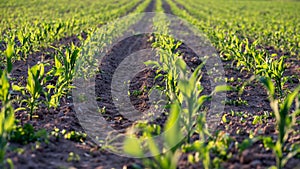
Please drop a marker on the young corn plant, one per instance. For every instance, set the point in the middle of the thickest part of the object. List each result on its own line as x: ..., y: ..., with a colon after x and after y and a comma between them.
x: 9, y: 53
x: 167, y: 70
x: 274, y: 69
x: 26, y: 134
x: 7, y: 117
x: 261, y: 63
x: 34, y: 88
x: 285, y: 121
x: 64, y: 70
x: 24, y: 38
x: 192, y: 118
x: 166, y: 49
x: 189, y: 96
x: 65, y: 62
x: 218, y: 145
x: 184, y: 118
x: 172, y: 137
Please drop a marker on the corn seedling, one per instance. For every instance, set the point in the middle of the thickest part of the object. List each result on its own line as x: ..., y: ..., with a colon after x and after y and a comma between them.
x: 166, y: 69
x: 285, y: 120
x: 7, y: 117
x: 192, y: 118
x: 35, y: 81
x: 9, y: 53
x: 274, y: 69
x: 172, y: 138
x: 64, y: 70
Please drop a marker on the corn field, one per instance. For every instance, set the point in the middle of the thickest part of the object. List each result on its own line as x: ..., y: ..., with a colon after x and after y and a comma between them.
x: 160, y: 84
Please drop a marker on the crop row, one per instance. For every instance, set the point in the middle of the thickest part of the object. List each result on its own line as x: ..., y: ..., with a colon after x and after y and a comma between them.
x: 236, y: 36
x: 46, y: 88
x: 30, y: 29
x: 186, y: 116
x: 270, y: 25
x: 267, y: 68
x: 184, y: 90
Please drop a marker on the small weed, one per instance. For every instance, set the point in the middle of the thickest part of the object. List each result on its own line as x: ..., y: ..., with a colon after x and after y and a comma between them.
x: 73, y: 157
x: 237, y: 102
x: 25, y: 134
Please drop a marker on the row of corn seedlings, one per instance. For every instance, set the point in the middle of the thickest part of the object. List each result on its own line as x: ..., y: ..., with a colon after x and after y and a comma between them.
x: 263, y: 64
x: 256, y: 21
x: 44, y: 88
x: 185, y: 102
x: 247, y: 56
x: 7, y: 116
x: 29, y: 34
x: 38, y: 80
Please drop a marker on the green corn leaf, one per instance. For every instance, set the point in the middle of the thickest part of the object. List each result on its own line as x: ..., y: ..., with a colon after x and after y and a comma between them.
x: 10, y: 163
x: 184, y: 87
x: 152, y: 63
x: 50, y: 87
x: 9, y: 54
x: 17, y: 88
x: 20, y: 109
x: 202, y: 99
x: 181, y: 64
x: 57, y: 62
x: 173, y: 134
x: 222, y: 88
x: 224, y: 119
x: 4, y: 86
x: 133, y: 147
x: 285, y: 107
x: 269, y: 86
x: 9, y: 119
x: 152, y: 146
x: 268, y: 142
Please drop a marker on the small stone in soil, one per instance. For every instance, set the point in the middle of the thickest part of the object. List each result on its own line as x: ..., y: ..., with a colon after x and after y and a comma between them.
x: 246, y: 157
x: 255, y: 163
x: 60, y: 114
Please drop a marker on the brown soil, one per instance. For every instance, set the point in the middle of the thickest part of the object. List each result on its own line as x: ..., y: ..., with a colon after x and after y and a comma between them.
x: 108, y: 65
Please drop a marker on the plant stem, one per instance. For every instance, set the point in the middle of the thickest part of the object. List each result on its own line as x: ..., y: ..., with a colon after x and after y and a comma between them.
x: 31, y: 111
